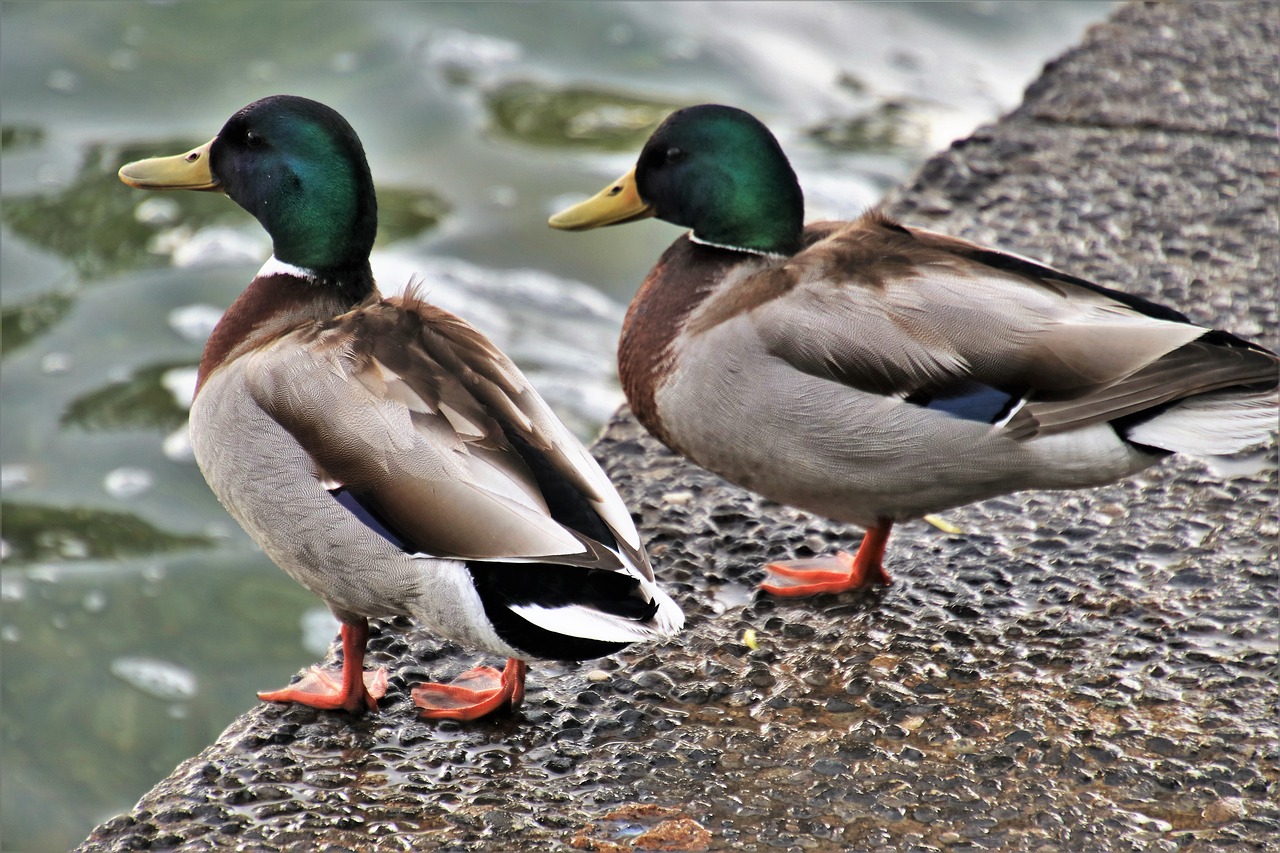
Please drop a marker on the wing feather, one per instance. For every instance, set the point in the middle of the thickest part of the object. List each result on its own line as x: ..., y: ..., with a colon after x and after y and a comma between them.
x: 904, y: 312
x: 415, y: 411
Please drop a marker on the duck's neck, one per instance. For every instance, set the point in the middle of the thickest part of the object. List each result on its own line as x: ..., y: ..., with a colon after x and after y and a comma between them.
x: 686, y: 274
x: 280, y: 298
x: 776, y: 255
x: 351, y: 281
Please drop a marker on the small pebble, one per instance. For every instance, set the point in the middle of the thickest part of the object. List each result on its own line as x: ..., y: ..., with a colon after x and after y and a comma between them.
x: 1224, y: 810
x: 678, y: 834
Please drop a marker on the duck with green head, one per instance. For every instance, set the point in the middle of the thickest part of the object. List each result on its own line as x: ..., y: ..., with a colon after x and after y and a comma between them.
x: 386, y: 454
x: 872, y: 373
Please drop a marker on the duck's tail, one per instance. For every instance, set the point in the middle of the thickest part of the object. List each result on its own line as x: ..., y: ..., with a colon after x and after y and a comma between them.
x: 564, y: 612
x: 1217, y: 424
x: 660, y: 617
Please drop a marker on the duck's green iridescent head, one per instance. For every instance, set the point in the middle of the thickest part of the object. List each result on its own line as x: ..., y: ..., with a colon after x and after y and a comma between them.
x: 297, y: 166
x: 714, y: 169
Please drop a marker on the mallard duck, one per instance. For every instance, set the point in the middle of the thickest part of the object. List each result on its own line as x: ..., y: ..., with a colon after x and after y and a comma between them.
x: 382, y: 451
x: 872, y: 372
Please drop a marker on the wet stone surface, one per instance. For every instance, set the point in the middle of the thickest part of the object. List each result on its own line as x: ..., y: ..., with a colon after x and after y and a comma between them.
x: 1074, y: 671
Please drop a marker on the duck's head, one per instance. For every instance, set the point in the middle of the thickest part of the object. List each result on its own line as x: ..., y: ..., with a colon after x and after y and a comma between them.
x: 714, y: 169
x: 298, y: 167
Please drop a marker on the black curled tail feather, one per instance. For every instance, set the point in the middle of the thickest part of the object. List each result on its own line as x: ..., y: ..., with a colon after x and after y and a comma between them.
x: 502, y: 586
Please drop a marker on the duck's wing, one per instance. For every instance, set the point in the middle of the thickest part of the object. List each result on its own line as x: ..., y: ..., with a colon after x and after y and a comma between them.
x: 421, y: 426
x: 985, y: 335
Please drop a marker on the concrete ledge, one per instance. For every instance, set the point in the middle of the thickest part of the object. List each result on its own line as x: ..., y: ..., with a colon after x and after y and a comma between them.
x: 1076, y: 671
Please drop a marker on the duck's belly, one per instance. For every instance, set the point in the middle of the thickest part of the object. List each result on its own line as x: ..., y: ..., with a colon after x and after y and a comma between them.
x: 852, y: 456
x: 269, y: 484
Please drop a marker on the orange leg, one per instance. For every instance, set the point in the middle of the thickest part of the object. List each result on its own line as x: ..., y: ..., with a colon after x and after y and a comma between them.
x: 474, y: 694
x: 353, y: 689
x: 798, y: 578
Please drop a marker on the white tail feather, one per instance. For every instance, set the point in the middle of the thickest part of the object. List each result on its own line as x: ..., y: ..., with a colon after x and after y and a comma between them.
x: 1211, y: 424
x: 577, y: 620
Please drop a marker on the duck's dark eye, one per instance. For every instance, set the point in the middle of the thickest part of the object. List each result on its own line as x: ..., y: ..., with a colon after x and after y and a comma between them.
x: 675, y: 155
x: 252, y: 139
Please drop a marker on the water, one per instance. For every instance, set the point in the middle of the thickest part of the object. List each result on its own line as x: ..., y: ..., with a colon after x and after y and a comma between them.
x: 137, y: 619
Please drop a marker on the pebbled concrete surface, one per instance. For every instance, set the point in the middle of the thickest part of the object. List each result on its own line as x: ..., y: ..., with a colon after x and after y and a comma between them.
x: 1075, y: 671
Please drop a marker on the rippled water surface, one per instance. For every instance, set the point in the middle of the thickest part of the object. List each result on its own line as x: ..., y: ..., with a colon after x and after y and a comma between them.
x: 137, y: 619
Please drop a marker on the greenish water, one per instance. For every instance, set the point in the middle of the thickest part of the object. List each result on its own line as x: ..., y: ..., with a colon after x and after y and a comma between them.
x: 137, y: 619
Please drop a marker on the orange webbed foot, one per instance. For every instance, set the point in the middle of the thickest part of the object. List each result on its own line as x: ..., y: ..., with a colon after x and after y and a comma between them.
x: 841, y: 573
x: 322, y: 688
x: 351, y: 688
x: 800, y: 578
x: 474, y: 694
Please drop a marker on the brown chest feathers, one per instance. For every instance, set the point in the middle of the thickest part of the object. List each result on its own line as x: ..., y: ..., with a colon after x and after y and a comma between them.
x: 271, y: 306
x: 685, y: 275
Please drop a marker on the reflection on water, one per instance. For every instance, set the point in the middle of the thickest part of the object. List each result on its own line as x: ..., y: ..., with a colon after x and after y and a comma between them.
x: 24, y: 321
x: 159, y: 679
x: 34, y: 533
x: 138, y: 620
x: 141, y: 400
x: 576, y: 116
x: 87, y: 222
x: 886, y: 126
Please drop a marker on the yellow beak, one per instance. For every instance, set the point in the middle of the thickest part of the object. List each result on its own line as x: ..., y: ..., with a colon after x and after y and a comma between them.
x: 615, y: 204
x: 188, y: 171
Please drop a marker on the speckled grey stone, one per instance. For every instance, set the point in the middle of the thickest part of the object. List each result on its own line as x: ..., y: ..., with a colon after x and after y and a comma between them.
x: 1142, y: 71
x: 1076, y: 671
